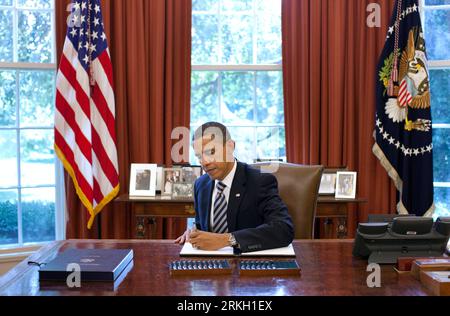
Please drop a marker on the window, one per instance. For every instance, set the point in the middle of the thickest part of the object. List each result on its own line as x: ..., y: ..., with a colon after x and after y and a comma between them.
x: 237, y: 73
x: 436, y: 17
x: 27, y: 85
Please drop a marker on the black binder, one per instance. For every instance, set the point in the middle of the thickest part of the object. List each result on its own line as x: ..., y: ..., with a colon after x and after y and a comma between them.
x: 95, y: 264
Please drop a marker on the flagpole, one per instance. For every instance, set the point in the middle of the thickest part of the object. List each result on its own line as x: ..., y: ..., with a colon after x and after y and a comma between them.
x: 99, y: 226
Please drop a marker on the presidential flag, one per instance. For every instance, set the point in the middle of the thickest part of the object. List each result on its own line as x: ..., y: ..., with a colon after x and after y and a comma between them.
x: 403, y: 136
x: 85, y: 138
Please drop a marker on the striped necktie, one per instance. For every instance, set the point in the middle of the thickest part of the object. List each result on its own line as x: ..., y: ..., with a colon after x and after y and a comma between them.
x: 220, y: 210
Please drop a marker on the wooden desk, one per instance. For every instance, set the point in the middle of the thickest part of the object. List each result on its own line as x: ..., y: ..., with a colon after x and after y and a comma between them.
x: 331, y: 215
x: 328, y: 268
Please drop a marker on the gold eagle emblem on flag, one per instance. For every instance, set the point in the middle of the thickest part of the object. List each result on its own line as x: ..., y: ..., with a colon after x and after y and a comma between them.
x: 411, y: 89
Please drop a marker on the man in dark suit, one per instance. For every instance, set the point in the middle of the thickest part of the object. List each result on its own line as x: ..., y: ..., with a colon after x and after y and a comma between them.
x: 235, y: 205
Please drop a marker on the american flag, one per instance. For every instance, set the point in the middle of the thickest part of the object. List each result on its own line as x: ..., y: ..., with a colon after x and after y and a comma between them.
x: 85, y: 138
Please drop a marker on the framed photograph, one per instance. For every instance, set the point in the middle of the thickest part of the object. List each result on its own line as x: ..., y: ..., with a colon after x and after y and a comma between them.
x: 345, y: 185
x: 143, y: 179
x: 327, y: 184
x: 169, y: 177
x: 190, y: 173
x: 182, y: 190
x: 159, y: 177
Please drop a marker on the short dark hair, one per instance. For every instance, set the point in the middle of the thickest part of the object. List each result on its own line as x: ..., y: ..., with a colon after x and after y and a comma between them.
x: 200, y: 131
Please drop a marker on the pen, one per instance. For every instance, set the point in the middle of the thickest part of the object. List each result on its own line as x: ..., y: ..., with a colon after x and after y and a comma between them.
x: 193, y: 229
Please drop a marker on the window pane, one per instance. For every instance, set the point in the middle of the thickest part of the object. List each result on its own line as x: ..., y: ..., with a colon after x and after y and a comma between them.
x: 437, y: 24
x: 271, y: 142
x: 35, y: 37
x: 204, y: 5
x: 269, y: 34
x: 442, y: 201
x: 236, y: 5
x: 269, y: 97
x: 440, y: 95
x: 6, y: 35
x: 37, y: 160
x: 7, y: 98
x: 441, y: 154
x: 36, y: 4
x: 6, y: 2
x: 273, y: 6
x: 250, y: 33
x: 38, y: 214
x: 36, y: 98
x: 237, y: 103
x: 8, y: 159
x: 192, y: 159
x: 237, y: 39
x: 245, y: 139
x: 8, y: 217
x: 204, y: 97
x: 205, y: 39
x: 436, y: 2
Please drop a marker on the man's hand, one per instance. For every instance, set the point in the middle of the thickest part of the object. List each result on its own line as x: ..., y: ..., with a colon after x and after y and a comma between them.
x: 208, y: 241
x: 183, y: 238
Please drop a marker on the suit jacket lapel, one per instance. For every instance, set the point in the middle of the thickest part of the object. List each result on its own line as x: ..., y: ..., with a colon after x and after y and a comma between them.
x: 236, y: 195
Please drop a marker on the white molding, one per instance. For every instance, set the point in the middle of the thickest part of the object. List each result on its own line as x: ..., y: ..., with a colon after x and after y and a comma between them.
x: 441, y: 184
x: 32, y: 246
x: 15, y: 256
x: 436, y: 7
x: 280, y: 125
x: 6, y: 251
x: 19, y: 8
x: 273, y: 67
x: 439, y: 64
x: 27, y: 128
x: 439, y: 125
x: 60, y: 201
x: 28, y: 66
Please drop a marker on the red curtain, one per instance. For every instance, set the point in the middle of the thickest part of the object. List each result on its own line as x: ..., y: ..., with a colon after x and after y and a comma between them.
x: 150, y: 45
x: 329, y: 72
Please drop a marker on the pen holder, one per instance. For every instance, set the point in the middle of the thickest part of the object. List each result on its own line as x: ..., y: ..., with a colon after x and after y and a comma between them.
x: 269, y: 268
x: 199, y: 267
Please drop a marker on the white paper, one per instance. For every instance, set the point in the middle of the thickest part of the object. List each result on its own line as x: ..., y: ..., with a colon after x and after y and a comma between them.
x: 188, y: 250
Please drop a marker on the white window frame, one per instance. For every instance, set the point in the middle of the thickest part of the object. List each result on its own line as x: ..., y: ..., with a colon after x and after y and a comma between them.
x: 436, y: 65
x: 60, y: 207
x: 221, y: 68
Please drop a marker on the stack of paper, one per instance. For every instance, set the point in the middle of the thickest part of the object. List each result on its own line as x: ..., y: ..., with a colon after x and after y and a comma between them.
x: 188, y: 250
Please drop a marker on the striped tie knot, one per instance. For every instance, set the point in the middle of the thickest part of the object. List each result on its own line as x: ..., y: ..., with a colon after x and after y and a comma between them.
x: 220, y: 187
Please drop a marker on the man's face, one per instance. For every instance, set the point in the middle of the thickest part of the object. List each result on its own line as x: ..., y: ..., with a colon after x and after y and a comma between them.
x: 216, y: 158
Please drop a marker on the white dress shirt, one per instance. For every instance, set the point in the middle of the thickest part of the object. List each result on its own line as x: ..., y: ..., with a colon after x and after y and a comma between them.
x: 228, y: 181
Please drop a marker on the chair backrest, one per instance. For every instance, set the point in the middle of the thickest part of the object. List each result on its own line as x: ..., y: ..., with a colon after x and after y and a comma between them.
x: 298, y: 186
